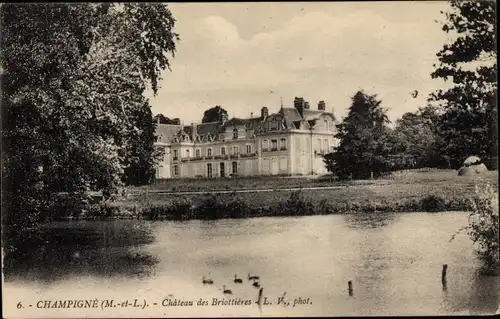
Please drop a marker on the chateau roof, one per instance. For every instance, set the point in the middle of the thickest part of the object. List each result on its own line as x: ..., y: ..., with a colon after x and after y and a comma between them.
x: 167, y: 131
x: 289, y: 115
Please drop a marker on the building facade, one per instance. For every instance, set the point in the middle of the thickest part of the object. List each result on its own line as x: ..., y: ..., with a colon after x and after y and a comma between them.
x: 289, y: 142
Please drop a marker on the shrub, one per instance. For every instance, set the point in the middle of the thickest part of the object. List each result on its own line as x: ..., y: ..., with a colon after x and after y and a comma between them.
x: 296, y: 205
x: 433, y: 203
x: 483, y: 227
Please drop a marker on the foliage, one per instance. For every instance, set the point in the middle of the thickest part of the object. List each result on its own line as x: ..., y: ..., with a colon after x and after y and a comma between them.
x: 214, y: 114
x: 140, y: 155
x: 433, y: 203
x: 469, y: 123
x: 415, y: 140
x: 483, y: 226
x: 162, y: 119
x: 73, y: 78
x: 364, y: 140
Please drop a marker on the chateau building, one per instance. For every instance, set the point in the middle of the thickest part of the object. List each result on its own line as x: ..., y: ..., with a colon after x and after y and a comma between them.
x: 289, y: 142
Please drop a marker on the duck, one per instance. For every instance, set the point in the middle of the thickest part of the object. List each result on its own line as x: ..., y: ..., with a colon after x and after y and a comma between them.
x: 207, y: 281
x: 226, y: 291
x: 237, y: 280
x: 253, y: 277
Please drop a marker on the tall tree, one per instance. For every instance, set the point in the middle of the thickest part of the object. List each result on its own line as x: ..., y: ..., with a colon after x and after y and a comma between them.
x: 415, y: 139
x: 214, y: 114
x: 73, y: 78
x: 469, y: 123
x: 363, y: 135
x: 139, y: 153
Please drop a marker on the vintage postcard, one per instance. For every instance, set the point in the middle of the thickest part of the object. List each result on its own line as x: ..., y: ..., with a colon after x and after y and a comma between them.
x: 249, y: 159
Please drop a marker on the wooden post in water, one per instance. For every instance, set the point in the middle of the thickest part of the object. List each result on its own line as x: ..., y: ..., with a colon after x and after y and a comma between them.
x: 443, y: 276
x: 349, y: 286
x: 259, y: 299
x: 371, y: 175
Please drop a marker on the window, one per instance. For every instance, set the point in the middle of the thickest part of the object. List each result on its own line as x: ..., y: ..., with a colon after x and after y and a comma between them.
x: 318, y: 145
x: 209, y: 152
x: 249, y: 149
x: 274, y: 145
x: 235, y: 133
x: 283, y: 143
x: 326, y: 145
x: 176, y: 154
x: 223, y: 150
x: 265, y: 145
x: 198, y: 152
x: 176, y: 170
x: 326, y: 124
x: 209, y: 170
x: 222, y: 170
x: 235, y: 168
x: 235, y: 150
x: 188, y: 153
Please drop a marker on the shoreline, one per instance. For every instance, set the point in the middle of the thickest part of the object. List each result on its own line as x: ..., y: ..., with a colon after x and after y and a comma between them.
x: 404, y: 191
x: 215, y: 207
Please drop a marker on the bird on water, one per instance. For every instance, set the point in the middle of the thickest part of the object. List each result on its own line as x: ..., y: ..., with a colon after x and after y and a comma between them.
x: 226, y: 291
x: 237, y: 280
x: 206, y: 281
x: 253, y: 277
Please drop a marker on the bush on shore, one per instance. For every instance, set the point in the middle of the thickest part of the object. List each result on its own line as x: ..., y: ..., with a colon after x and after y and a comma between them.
x: 483, y: 227
x: 211, y: 207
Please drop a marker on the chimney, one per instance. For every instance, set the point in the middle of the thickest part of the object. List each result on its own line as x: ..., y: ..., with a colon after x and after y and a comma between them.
x: 299, y: 104
x: 223, y: 117
x: 306, y: 105
x: 321, y: 105
x: 264, y: 112
x: 193, y: 132
x: 158, y: 117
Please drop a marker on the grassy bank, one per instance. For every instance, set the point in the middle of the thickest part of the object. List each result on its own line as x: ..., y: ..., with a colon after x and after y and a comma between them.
x: 273, y: 182
x: 408, y: 191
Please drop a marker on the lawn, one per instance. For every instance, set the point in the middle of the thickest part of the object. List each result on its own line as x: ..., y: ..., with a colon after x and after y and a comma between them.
x: 272, y: 182
x: 416, y: 190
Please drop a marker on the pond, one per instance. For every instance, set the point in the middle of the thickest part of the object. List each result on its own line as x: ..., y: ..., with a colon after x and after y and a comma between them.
x: 394, y: 262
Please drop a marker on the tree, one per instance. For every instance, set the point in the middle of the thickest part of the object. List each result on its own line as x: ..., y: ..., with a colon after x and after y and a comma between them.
x: 364, y: 140
x: 469, y: 123
x: 73, y: 78
x: 140, y: 154
x: 162, y: 119
x: 214, y: 114
x: 415, y: 139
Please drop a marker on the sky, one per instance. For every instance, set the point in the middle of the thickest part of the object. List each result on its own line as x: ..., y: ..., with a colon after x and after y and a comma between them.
x: 243, y: 56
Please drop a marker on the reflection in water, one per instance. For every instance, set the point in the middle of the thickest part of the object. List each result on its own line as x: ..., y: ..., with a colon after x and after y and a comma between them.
x: 369, y: 220
x: 62, y: 250
x: 393, y: 260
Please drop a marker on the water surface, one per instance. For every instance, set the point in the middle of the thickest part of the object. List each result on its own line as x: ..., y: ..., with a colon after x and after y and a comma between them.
x: 393, y: 260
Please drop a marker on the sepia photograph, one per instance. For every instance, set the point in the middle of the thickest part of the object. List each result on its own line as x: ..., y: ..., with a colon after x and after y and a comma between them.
x: 249, y: 159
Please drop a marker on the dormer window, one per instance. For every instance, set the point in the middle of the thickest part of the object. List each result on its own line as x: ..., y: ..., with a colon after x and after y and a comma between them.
x: 235, y: 134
